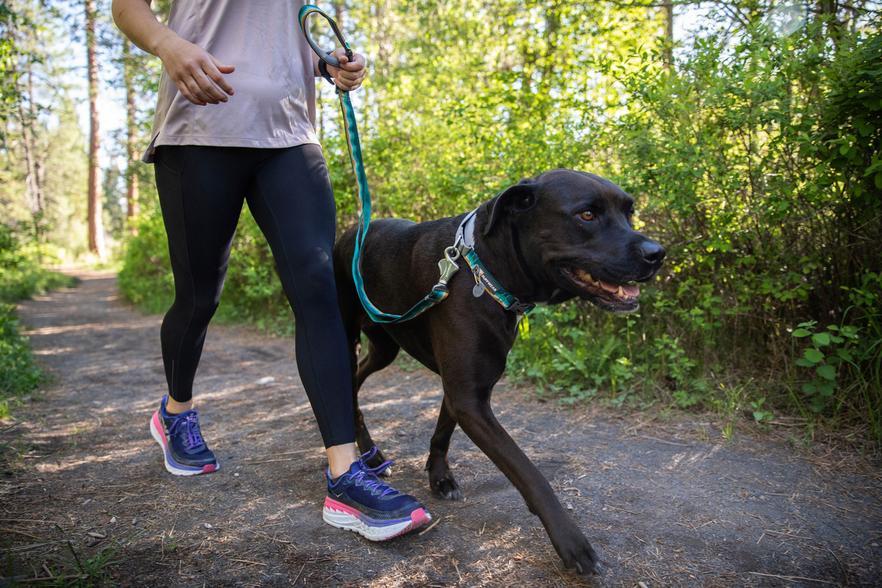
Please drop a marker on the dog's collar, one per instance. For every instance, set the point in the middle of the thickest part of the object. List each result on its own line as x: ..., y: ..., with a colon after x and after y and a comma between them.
x: 484, y: 280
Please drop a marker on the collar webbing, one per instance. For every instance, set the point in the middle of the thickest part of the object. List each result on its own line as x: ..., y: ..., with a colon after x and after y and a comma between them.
x: 465, y: 242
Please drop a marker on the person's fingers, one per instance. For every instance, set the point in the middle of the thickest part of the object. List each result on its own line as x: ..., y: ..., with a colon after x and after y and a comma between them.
x: 350, y: 76
x: 227, y: 69
x: 209, y: 87
x: 187, y: 93
x: 340, y: 54
x: 347, y: 85
x: 213, y: 69
x: 196, y: 91
x: 357, y: 63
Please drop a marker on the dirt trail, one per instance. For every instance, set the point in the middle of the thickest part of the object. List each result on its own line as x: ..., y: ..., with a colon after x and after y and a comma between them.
x: 665, y: 504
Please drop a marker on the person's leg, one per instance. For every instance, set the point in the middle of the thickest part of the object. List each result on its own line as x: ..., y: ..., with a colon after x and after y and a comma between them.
x: 201, y: 191
x: 292, y: 201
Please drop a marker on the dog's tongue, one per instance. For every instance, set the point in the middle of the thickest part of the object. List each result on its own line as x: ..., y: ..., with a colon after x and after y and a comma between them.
x: 631, y: 290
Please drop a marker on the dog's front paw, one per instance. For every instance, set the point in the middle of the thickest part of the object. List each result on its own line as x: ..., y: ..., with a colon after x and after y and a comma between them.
x: 577, y: 553
x: 445, y: 487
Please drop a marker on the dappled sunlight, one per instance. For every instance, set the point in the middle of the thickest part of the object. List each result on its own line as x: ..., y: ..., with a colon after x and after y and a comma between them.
x: 107, y: 457
x: 55, y: 350
x: 82, y: 329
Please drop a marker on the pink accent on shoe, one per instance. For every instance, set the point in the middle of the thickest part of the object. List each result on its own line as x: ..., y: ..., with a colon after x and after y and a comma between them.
x: 160, y: 428
x: 209, y: 468
x: 331, y: 503
x: 419, y: 518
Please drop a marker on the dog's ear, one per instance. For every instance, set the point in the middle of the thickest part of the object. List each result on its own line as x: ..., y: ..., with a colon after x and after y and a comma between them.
x: 517, y: 198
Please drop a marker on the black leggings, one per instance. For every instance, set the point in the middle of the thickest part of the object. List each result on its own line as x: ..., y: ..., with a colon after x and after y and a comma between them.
x: 201, y: 191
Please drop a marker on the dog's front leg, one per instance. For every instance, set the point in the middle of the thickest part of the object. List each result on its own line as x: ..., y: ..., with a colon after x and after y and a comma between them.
x: 472, y: 411
x: 441, y: 480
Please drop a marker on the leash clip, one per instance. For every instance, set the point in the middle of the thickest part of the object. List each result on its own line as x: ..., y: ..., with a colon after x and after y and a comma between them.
x: 448, y: 265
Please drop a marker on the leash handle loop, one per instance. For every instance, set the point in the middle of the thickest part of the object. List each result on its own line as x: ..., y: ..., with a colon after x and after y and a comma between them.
x: 327, y: 56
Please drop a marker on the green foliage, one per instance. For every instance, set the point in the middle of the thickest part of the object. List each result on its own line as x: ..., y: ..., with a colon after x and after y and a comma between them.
x: 20, y: 273
x: 823, y: 354
x: 145, y: 277
x: 20, y: 277
x: 18, y: 374
x: 755, y: 160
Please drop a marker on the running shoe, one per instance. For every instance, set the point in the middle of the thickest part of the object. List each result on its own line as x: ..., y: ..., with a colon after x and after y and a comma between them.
x: 359, y: 501
x: 183, y: 447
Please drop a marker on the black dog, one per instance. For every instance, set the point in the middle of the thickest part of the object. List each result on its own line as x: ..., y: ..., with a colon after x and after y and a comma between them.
x: 548, y: 239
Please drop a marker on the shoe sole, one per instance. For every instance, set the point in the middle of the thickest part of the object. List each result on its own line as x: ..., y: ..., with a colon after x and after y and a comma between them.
x: 157, y: 431
x: 345, y: 517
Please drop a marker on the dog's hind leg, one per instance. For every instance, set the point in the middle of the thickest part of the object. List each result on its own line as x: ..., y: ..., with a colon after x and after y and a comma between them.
x: 381, y: 351
x: 441, y: 480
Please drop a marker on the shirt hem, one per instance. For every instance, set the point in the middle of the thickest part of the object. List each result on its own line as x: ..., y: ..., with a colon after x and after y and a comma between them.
x: 221, y: 141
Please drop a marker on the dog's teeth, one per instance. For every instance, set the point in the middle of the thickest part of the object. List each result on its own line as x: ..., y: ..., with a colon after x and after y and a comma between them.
x: 620, y: 292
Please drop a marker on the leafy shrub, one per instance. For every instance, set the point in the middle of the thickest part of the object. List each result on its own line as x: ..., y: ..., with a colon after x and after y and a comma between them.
x: 20, y: 273
x: 826, y: 351
x: 18, y: 374
x: 20, y: 277
x: 146, y: 277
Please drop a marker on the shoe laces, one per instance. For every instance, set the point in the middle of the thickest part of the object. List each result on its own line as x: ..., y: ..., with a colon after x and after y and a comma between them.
x: 190, y: 422
x: 370, y: 482
x: 377, y: 470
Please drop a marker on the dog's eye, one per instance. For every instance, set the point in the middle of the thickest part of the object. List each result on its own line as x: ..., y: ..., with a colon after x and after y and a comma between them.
x: 586, y: 215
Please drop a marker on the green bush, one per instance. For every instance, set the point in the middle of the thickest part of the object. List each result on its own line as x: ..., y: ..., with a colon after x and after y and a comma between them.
x: 20, y: 277
x: 758, y: 165
x: 18, y: 374
x: 146, y: 278
x: 20, y: 273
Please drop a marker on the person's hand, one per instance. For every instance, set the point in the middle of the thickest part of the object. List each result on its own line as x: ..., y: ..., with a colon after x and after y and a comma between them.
x: 350, y: 74
x: 195, y: 71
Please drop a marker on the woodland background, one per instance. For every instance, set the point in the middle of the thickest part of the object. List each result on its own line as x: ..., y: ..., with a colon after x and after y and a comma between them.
x: 750, y: 138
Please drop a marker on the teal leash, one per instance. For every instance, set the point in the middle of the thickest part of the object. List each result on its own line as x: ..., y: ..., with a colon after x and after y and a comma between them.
x: 447, y: 266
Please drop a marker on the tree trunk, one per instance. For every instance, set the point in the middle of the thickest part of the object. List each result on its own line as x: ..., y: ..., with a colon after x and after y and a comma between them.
x: 132, y: 207
x: 96, y: 225
x: 27, y: 114
x: 668, y: 55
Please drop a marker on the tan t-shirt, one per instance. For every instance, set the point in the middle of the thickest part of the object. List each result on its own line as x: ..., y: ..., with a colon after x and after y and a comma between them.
x: 274, y: 81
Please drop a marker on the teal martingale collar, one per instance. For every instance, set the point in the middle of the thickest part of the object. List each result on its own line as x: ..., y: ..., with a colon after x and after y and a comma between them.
x: 484, y: 280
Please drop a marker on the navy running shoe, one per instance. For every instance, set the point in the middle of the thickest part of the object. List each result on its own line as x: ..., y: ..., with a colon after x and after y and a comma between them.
x: 359, y: 501
x: 183, y: 447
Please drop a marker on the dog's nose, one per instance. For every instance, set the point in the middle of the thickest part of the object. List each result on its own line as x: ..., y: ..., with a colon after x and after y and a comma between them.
x: 652, y: 252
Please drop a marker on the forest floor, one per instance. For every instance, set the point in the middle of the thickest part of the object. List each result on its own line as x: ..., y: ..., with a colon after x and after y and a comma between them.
x: 664, y: 499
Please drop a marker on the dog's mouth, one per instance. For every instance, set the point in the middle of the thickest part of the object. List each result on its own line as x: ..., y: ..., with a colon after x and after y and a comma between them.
x: 616, y: 297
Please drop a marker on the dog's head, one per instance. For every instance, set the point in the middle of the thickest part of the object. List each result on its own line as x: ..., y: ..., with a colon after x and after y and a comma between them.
x: 574, y: 229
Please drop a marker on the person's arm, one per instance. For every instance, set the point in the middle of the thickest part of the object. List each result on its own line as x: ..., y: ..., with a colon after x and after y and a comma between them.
x: 197, y: 74
x: 347, y: 77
